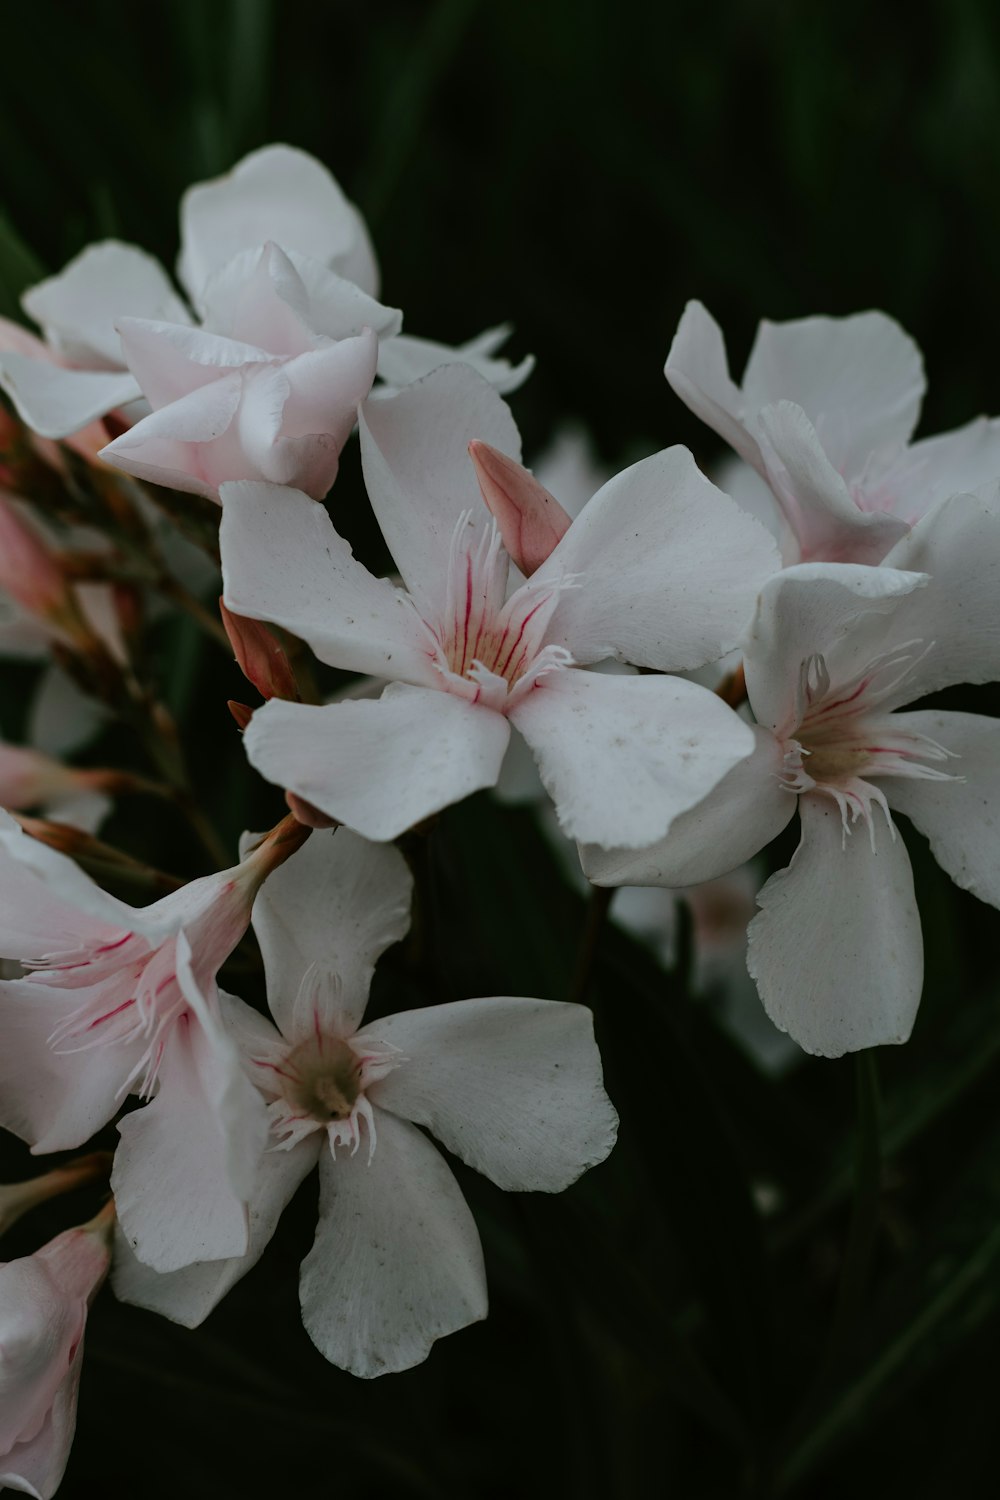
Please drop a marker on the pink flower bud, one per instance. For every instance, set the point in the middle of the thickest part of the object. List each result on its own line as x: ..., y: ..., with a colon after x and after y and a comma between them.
x: 43, y: 1311
x: 261, y: 658
x: 531, y: 522
x: 29, y: 570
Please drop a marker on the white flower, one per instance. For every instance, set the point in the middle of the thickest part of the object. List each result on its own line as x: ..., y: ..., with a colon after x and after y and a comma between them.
x: 835, y: 652
x: 43, y: 1311
x: 659, y: 569
x: 825, y: 414
x: 512, y: 1086
x: 273, y: 396
x: 122, y: 999
x: 277, y: 194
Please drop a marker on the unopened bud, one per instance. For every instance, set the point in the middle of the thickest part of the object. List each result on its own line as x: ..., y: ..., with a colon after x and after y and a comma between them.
x: 531, y: 521
x: 241, y: 712
x: 18, y: 1198
x: 260, y: 655
x: 30, y: 570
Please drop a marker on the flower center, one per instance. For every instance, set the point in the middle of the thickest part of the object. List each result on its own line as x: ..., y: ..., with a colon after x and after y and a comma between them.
x: 487, y: 646
x: 321, y: 1078
x: 844, y: 737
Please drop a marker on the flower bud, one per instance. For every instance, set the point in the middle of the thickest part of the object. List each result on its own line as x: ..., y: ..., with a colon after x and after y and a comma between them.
x: 261, y: 658
x: 531, y: 522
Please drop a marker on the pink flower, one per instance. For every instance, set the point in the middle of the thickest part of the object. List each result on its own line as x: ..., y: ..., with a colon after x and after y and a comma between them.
x: 43, y: 1312
x: 122, y: 1000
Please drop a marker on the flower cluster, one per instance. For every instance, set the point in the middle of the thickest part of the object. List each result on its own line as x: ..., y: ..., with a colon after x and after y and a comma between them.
x: 676, y: 670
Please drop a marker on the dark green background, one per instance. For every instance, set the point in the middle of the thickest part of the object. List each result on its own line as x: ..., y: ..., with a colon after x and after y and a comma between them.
x: 581, y: 170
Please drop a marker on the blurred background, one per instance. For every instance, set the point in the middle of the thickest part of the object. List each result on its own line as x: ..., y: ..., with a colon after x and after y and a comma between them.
x: 673, y: 1323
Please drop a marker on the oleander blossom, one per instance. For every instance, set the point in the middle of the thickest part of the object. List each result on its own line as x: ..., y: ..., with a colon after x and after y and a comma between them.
x: 67, y: 384
x: 825, y: 415
x: 836, y: 651
x: 660, y: 570
x: 511, y: 1086
x: 44, y: 1300
x: 121, y: 1000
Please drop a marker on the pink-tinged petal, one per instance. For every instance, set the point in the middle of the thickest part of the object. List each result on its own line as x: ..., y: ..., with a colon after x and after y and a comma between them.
x: 414, y: 450
x: 512, y: 1086
x: 404, y: 359
x: 380, y: 767
x: 170, y: 362
x: 826, y: 519
x: 279, y: 194
x: 172, y: 1189
x: 952, y: 463
x: 622, y: 757
x: 668, y: 569
x: 188, y: 1295
x: 189, y: 445
x: 79, y: 308
x: 530, y: 520
x: 860, y: 381
x: 282, y: 561
x: 754, y: 495
x: 36, y: 1467
x: 747, y: 809
x: 958, y: 545
x: 397, y: 1261
x: 47, y: 903
x: 807, y: 611
x: 55, y: 402
x: 698, y: 371
x: 338, y: 903
x: 836, y: 948
x: 54, y: 1099
x: 326, y: 386
x: 961, y: 818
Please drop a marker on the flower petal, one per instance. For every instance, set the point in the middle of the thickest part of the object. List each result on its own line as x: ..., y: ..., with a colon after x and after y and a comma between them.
x: 828, y: 522
x: 79, y: 308
x: 420, y: 478
x: 621, y: 757
x: 37, y: 1467
x: 187, y: 445
x: 961, y: 818
x: 282, y: 561
x: 339, y: 902
x: 859, y: 380
x: 170, y: 362
x: 952, y: 463
x: 380, y: 767
x: 958, y: 545
x: 836, y: 948
x: 397, y: 1261
x: 747, y: 809
x: 405, y: 359
x: 55, y: 1100
x: 54, y: 402
x: 669, y: 569
x: 281, y: 194
x: 512, y: 1086
x: 806, y: 611
x: 189, y: 1294
x: 697, y: 370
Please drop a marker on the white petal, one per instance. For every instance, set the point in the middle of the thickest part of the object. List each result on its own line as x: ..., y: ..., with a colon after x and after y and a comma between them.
x: 380, y: 767
x: 735, y: 478
x: 338, y: 304
x: 621, y: 757
x: 188, y: 1295
x: 960, y: 818
x: 37, y: 1467
x: 277, y: 193
x: 829, y: 524
x: 512, y: 1086
x: 283, y: 562
x: 669, y: 569
x: 860, y: 381
x: 836, y: 948
x: 952, y: 463
x: 54, y: 1100
x: 55, y: 402
x: 174, y: 446
x: 747, y: 809
x: 404, y: 359
x: 78, y: 309
x: 397, y: 1261
x: 339, y: 902
x: 170, y: 361
x: 420, y: 478
x: 958, y: 544
x: 698, y: 371
x: 806, y: 611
